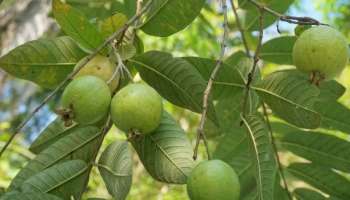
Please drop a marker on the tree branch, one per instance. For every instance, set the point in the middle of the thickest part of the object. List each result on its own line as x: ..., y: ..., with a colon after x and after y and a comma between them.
x: 287, y: 18
x: 255, y: 62
x: 71, y: 75
x: 240, y: 28
x: 200, y: 130
x: 275, y: 150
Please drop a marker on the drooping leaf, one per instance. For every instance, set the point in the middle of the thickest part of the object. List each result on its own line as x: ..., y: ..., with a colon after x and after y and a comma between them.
x: 307, y: 194
x: 174, y: 78
x: 322, y: 178
x: 319, y: 148
x: 166, y: 153
x: 46, y: 62
x: 52, y: 133
x: 264, y: 160
x: 335, y: 116
x: 29, y: 196
x: 115, y: 166
x: 251, y: 17
x: 291, y: 97
x: 80, y: 144
x: 76, y: 25
x: 167, y: 17
x: 331, y: 90
x: 64, y: 180
x: 278, y: 50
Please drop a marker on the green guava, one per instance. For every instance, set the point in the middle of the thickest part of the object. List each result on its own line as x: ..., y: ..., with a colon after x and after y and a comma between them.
x: 85, y: 100
x: 321, y: 51
x: 137, y: 107
x: 213, y: 179
x: 300, y: 29
x: 101, y: 67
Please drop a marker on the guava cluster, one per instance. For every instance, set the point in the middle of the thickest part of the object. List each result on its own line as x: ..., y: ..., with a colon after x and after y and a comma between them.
x: 137, y: 108
x: 88, y: 99
x: 320, y: 51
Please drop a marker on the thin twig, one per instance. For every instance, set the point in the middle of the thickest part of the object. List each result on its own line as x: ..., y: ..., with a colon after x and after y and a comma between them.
x: 240, y: 28
x: 276, y: 151
x: 288, y: 18
x: 200, y: 130
x: 71, y: 75
x: 255, y: 63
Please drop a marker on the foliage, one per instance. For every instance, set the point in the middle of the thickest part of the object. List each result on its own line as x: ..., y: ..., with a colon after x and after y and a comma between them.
x: 286, y: 116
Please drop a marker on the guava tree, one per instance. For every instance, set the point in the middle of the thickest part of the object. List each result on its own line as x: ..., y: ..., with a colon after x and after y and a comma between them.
x: 96, y: 66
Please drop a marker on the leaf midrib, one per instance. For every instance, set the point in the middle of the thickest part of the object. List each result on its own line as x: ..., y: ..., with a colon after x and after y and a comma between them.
x: 315, y: 151
x: 193, y: 101
x: 166, y: 155
x: 251, y: 134
x: 80, y: 172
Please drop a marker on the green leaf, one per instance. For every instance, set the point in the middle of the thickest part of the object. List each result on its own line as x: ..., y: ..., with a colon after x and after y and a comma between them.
x: 52, y: 133
x: 80, y: 144
x: 322, y: 178
x: 251, y: 18
x: 226, y: 74
x: 167, y: 17
x: 319, y: 148
x: 279, y: 50
x: 29, y: 196
x: 64, y: 180
x: 166, y: 153
x: 266, y: 168
x: 291, y: 97
x: 174, y: 78
x: 76, y: 25
x: 307, y: 194
x: 234, y: 149
x: 331, y: 90
x: 115, y: 166
x: 126, y: 7
x: 112, y: 24
x: 335, y: 116
x: 46, y: 62
x: 235, y: 58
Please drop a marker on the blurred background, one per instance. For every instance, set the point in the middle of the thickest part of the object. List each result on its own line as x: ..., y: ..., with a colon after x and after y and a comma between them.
x: 25, y: 20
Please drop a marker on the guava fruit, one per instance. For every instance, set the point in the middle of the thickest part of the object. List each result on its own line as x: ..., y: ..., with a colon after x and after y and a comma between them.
x: 300, y: 29
x: 85, y: 100
x: 213, y: 179
x: 137, y: 107
x: 101, y: 67
x: 322, y: 52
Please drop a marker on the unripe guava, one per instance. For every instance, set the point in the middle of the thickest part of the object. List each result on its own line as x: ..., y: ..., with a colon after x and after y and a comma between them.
x: 213, y: 179
x: 321, y: 50
x: 300, y: 29
x: 101, y: 67
x: 86, y: 100
x: 137, y: 107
